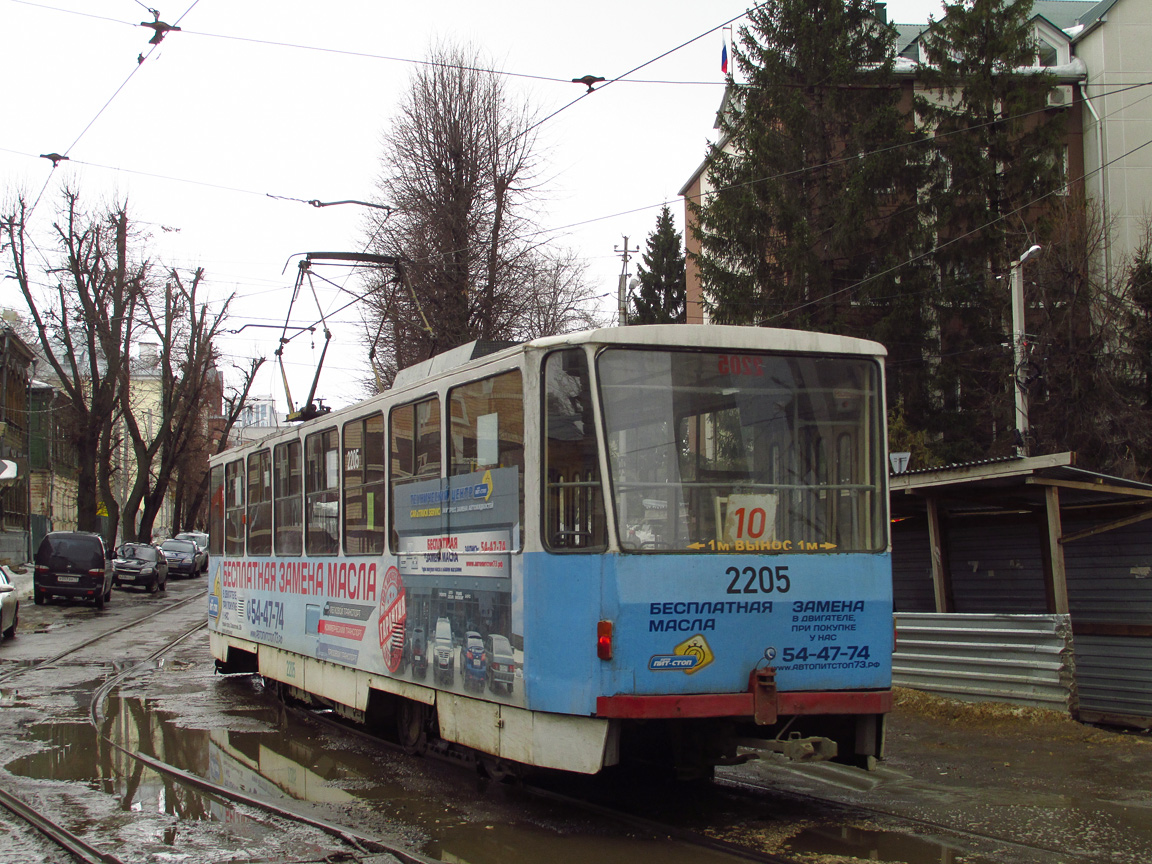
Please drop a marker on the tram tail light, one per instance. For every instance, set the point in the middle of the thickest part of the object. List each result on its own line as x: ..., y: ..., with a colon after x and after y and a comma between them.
x: 604, y: 640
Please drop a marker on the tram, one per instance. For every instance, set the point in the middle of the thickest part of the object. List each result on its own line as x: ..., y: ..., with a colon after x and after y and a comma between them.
x: 650, y: 544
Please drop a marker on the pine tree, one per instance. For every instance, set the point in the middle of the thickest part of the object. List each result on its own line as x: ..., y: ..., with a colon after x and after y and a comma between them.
x: 996, y: 157
x: 812, y: 221
x: 662, y: 287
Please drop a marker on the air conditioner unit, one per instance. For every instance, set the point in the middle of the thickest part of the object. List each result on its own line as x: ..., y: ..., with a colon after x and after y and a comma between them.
x: 1060, y: 96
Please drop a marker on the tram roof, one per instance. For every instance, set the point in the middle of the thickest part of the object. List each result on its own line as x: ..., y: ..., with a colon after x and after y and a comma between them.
x: 678, y: 335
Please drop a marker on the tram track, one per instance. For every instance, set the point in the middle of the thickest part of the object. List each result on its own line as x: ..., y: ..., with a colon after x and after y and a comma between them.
x: 358, y: 846
x: 56, y: 658
x: 870, y: 811
x: 752, y: 792
x: 469, y: 760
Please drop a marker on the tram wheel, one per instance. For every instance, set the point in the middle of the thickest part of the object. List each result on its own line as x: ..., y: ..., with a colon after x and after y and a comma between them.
x: 410, y: 720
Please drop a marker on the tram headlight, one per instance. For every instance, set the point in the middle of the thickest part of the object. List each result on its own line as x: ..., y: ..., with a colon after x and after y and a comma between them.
x: 604, y: 640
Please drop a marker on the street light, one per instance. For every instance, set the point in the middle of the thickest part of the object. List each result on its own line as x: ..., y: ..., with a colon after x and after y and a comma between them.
x: 1018, y: 343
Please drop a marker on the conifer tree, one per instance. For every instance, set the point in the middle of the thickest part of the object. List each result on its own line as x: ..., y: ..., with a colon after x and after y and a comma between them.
x: 662, y: 289
x: 996, y: 160
x: 812, y: 217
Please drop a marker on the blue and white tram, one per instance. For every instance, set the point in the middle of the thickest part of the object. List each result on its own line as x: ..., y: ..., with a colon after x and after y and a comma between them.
x: 639, y: 543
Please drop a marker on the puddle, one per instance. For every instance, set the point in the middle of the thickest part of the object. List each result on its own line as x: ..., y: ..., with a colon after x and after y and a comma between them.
x: 502, y: 844
x: 878, y: 846
x: 277, y: 757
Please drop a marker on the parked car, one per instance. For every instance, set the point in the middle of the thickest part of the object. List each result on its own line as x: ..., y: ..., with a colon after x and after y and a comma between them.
x: 9, y: 606
x: 72, y: 564
x: 445, y: 669
x: 416, y: 652
x: 201, y: 541
x: 142, y: 565
x: 501, y: 664
x: 181, y: 555
x: 473, y: 661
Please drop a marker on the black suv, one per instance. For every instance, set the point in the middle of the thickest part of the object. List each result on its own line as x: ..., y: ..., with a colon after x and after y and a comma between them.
x: 72, y: 564
x: 142, y: 565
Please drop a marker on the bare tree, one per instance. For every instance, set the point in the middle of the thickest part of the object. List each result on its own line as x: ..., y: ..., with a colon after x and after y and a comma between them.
x: 1088, y: 346
x: 193, y: 479
x: 184, y: 368
x: 85, y: 324
x: 459, y: 174
x: 556, y: 297
x: 102, y: 299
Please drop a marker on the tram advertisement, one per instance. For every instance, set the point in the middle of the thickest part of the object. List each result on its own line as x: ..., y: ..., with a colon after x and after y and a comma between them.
x: 445, y: 602
x: 456, y: 538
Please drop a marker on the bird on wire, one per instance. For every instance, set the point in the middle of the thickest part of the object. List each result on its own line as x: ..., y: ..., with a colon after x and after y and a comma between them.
x: 161, y: 29
x: 588, y: 81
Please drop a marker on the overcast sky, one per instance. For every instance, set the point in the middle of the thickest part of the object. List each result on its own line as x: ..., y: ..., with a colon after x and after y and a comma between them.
x: 254, y: 103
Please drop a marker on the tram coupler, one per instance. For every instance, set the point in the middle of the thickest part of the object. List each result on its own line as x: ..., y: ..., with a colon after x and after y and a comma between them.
x: 762, y: 683
x: 813, y: 749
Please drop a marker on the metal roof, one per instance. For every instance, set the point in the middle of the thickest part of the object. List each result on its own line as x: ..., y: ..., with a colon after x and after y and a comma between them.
x: 1013, y: 483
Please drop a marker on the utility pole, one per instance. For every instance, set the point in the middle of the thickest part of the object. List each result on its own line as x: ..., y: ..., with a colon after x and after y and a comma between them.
x: 622, y: 291
x: 1019, y: 344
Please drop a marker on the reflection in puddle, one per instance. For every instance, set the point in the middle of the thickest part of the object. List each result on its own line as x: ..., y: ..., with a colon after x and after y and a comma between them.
x: 274, y: 757
x: 499, y: 844
x: 878, y: 846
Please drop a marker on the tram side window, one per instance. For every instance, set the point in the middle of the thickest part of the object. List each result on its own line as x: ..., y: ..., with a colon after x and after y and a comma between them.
x: 260, y: 503
x: 414, y: 445
x: 488, y: 432
x: 234, y: 508
x: 364, y: 485
x: 573, y: 499
x: 322, y: 493
x: 216, y: 511
x: 286, y: 491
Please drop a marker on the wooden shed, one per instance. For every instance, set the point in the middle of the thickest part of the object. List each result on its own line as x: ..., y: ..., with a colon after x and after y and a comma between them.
x: 1027, y: 580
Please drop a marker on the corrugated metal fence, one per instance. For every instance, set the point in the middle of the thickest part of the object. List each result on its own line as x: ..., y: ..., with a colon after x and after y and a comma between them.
x: 1020, y: 659
x: 1114, y: 679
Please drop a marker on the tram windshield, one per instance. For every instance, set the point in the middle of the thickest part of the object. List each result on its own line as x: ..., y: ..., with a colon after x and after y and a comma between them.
x: 739, y: 452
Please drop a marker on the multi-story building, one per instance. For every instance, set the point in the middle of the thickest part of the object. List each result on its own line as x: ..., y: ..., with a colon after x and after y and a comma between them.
x: 1098, y: 53
x: 52, y: 462
x: 16, y: 364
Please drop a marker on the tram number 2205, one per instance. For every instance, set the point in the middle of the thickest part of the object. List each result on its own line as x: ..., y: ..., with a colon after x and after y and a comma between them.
x: 759, y: 580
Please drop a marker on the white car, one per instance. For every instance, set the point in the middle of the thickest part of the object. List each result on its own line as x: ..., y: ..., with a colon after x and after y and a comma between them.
x: 442, y: 652
x: 9, y: 606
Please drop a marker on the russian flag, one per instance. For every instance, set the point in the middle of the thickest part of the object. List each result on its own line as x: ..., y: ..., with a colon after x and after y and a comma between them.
x: 724, y: 58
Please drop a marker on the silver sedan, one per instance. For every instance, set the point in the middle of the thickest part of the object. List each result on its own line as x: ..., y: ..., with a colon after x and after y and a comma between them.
x: 9, y: 606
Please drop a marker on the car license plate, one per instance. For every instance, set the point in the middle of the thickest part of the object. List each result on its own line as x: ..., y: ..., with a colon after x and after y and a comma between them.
x: 127, y: 577
x: 67, y: 578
